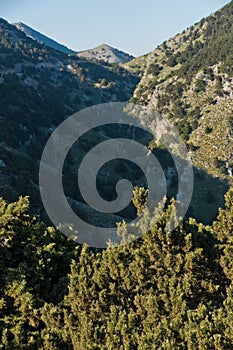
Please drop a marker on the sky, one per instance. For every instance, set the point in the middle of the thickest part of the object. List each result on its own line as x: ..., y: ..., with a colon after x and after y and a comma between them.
x: 134, y: 26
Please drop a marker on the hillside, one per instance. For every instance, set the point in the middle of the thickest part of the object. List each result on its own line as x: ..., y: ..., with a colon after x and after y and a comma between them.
x: 39, y: 74
x: 39, y: 88
x: 42, y: 39
x: 189, y: 79
x: 106, y: 53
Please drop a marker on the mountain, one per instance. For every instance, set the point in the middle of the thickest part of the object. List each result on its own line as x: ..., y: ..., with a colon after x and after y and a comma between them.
x: 106, y: 53
x: 42, y: 39
x: 102, y: 52
x: 189, y: 79
x: 39, y: 88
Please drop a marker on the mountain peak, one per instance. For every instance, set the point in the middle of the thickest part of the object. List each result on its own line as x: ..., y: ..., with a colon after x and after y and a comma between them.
x: 107, y: 53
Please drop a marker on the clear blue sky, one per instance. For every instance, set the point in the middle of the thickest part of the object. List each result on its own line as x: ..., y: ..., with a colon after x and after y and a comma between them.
x: 134, y: 26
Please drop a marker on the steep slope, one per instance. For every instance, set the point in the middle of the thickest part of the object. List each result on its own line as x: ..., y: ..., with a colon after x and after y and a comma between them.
x: 189, y: 79
x: 42, y: 39
x: 137, y: 65
x: 107, y: 54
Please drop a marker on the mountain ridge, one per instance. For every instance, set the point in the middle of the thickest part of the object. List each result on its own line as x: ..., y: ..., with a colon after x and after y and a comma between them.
x: 41, y: 38
x: 103, y: 52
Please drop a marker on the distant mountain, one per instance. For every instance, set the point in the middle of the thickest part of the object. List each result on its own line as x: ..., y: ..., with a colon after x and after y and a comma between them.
x: 104, y: 53
x: 42, y: 39
x: 107, y: 54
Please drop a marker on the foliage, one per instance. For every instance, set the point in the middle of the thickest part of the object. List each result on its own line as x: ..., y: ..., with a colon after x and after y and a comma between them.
x: 167, y: 290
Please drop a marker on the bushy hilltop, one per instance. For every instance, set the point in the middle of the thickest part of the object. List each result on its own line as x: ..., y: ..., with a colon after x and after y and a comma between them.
x: 39, y: 88
x: 189, y: 79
